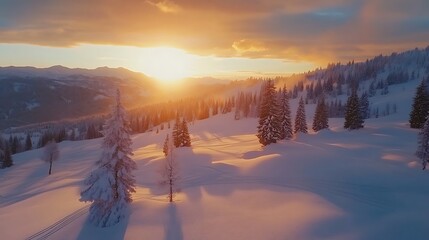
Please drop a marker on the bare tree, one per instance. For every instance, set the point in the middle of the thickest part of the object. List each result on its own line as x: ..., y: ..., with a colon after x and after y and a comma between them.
x: 170, y: 169
x: 51, y: 154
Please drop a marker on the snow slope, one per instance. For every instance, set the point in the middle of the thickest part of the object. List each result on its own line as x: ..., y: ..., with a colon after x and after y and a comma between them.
x: 335, y: 184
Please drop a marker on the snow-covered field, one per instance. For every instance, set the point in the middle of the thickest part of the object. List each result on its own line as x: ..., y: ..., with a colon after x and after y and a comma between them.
x: 335, y: 184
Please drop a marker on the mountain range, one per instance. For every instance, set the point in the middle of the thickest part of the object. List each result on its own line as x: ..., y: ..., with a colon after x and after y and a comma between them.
x: 30, y: 95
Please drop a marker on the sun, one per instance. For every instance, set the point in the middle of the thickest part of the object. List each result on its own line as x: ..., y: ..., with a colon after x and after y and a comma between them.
x: 166, y: 64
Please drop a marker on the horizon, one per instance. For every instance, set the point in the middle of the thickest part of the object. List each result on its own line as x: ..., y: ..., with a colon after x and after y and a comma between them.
x: 215, y: 77
x: 176, y: 39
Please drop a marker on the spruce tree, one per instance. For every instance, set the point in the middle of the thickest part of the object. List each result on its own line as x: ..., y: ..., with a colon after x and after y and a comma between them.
x: 110, y: 185
x: 269, y: 125
x: 165, y: 148
x: 364, y: 106
x: 423, y: 145
x: 15, y: 146
x: 7, y: 157
x: 420, y: 107
x: 176, y: 132
x: 2, y: 147
x: 28, y: 143
x: 353, y: 118
x: 300, y: 119
x: 180, y: 134
x: 320, y: 120
x: 184, y: 135
x: 72, y: 136
x: 285, y: 118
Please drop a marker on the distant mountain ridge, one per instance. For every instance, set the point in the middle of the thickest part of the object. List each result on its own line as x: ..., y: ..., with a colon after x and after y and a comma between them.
x: 59, y: 71
x: 31, y: 95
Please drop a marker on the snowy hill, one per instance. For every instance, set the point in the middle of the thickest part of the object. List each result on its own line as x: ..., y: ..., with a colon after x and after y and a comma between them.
x: 334, y: 184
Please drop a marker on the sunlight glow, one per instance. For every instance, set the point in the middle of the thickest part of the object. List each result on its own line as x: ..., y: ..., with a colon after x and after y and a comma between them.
x: 166, y: 64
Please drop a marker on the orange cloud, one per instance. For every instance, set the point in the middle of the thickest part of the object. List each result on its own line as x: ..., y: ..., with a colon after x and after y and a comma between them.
x: 245, y: 45
x: 165, y: 5
x: 312, y: 30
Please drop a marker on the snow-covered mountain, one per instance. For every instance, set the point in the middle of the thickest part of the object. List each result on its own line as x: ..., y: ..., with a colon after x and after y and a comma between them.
x: 62, y: 72
x: 32, y: 95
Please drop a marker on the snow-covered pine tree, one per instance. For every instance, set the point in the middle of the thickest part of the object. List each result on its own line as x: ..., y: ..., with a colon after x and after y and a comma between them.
x: 423, y: 145
x: 320, y: 120
x: 166, y: 146
x: 50, y: 154
x: 353, y: 118
x: 176, y: 132
x: 364, y: 106
x: 72, y: 136
x: 269, y: 125
x: 110, y: 185
x: 300, y: 119
x: 170, y: 170
x: 420, y: 107
x: 285, y: 118
x: 184, y: 135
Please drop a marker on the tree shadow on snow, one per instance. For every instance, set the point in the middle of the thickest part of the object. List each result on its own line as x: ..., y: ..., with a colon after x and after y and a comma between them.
x: 196, y: 172
x: 89, y: 231
x: 172, y: 225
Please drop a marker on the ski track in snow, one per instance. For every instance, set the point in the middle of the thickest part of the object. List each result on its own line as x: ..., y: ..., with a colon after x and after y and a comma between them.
x: 60, y: 224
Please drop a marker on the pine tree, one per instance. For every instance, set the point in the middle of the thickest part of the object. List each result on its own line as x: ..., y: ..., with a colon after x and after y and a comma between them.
x: 61, y: 135
x: 184, y: 135
x: 423, y: 145
x: 170, y: 169
x: 364, y: 106
x: 176, y: 132
x: 165, y: 148
x: 2, y: 147
x: 7, y: 157
x: 28, y: 143
x: 269, y: 125
x: 110, y: 185
x: 72, y: 136
x: 50, y: 154
x: 353, y: 118
x: 15, y: 146
x: 420, y: 107
x: 285, y: 118
x: 300, y: 119
x: 320, y: 120
x: 91, y: 132
x: 371, y: 89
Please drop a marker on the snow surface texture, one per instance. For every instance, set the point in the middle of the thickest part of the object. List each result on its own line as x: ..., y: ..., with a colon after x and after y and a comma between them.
x: 334, y: 184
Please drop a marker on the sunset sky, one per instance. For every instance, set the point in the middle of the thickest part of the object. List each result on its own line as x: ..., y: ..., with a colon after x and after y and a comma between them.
x: 220, y: 38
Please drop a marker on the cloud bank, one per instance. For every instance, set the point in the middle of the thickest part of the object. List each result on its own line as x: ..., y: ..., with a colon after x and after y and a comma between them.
x: 314, y: 30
